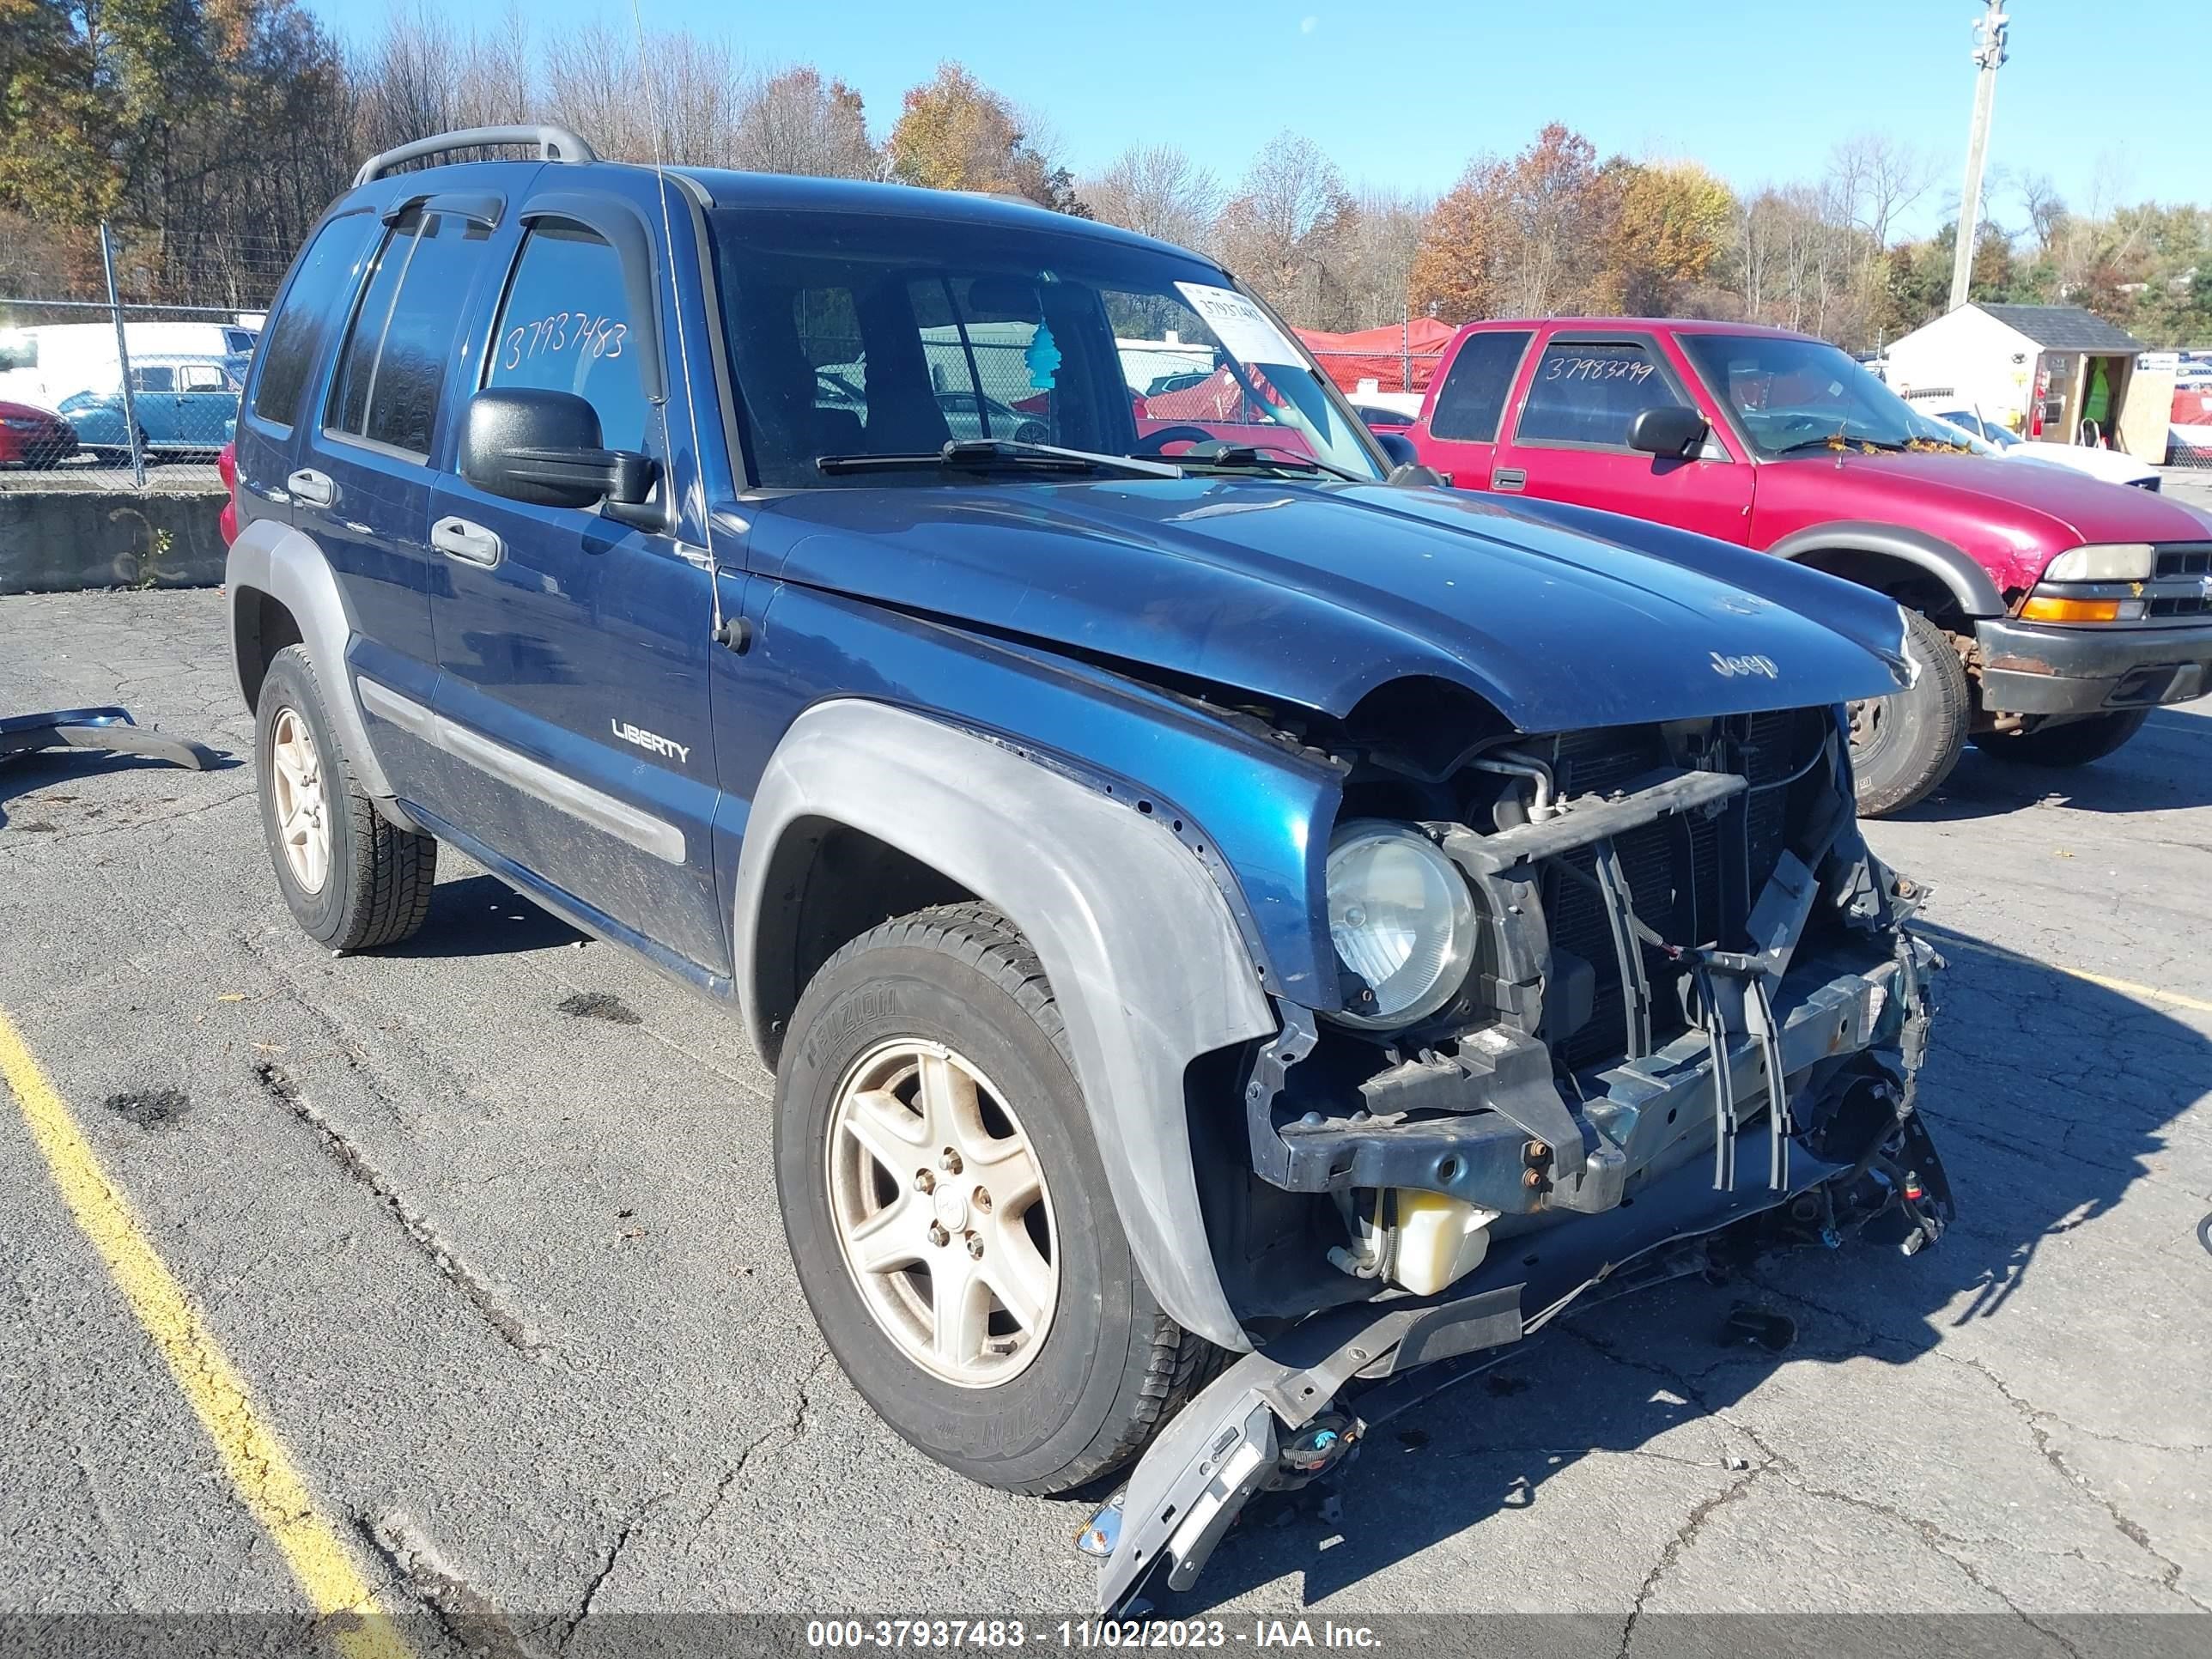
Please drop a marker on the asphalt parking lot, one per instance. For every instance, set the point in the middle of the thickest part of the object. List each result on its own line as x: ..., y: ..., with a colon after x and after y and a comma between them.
x: 486, y: 1225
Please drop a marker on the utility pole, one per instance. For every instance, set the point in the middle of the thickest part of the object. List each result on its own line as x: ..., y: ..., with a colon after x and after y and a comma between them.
x: 1989, y: 57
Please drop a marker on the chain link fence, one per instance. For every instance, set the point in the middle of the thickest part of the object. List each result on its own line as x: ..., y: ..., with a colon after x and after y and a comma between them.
x: 110, y: 380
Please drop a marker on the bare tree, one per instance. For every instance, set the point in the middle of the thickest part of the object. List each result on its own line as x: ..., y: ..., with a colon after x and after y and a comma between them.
x: 797, y: 122
x: 1384, y: 235
x: 1284, y: 229
x: 1157, y: 190
x: 2046, y: 209
x: 1877, y: 178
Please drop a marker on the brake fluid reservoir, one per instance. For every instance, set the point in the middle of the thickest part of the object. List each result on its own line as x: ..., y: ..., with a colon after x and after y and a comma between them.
x: 1440, y: 1239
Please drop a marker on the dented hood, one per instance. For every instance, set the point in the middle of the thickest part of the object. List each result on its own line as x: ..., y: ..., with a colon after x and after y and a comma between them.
x: 1316, y: 594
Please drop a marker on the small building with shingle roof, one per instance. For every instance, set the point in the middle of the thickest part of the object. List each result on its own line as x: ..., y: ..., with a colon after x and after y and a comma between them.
x: 2058, y: 373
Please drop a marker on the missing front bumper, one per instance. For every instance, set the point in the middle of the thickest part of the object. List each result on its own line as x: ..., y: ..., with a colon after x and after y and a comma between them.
x: 1475, y: 1126
x: 1284, y: 1413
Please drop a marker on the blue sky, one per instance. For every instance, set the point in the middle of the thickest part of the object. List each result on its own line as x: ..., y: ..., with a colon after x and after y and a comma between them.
x: 2109, y: 99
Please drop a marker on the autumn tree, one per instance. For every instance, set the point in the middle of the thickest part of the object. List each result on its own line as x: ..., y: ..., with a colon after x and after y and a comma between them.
x: 1520, y: 237
x: 1669, y: 226
x: 955, y: 133
x: 56, y: 132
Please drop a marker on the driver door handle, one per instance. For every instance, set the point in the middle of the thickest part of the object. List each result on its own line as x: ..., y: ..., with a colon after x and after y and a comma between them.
x: 312, y: 487
x: 457, y: 539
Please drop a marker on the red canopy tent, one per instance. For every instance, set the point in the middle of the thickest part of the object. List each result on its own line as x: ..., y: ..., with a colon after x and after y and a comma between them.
x: 1385, y: 356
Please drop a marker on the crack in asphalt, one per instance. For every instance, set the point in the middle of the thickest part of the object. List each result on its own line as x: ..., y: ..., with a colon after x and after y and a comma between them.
x: 512, y: 1328
x: 466, y: 1616
x: 2034, y: 1418
x: 795, y: 1426
x: 633, y: 1523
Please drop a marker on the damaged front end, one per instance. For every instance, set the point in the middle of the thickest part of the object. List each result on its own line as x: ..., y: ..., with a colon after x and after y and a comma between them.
x: 1689, y: 1003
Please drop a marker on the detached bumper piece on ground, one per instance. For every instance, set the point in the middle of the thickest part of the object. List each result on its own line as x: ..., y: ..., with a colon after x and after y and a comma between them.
x: 111, y: 729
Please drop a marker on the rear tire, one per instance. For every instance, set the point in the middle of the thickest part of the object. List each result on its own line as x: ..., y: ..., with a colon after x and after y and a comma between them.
x: 1903, y: 746
x: 2074, y: 744
x: 1037, y: 1406
x: 352, y: 880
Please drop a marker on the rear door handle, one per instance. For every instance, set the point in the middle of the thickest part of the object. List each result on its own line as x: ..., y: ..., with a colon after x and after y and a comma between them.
x: 1508, y: 478
x: 457, y: 539
x: 312, y: 487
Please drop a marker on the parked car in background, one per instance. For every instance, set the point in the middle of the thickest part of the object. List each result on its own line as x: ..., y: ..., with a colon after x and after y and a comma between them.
x: 186, y: 406
x: 47, y: 363
x: 1988, y: 437
x: 33, y: 437
x: 2050, y: 611
x: 1186, y: 900
x: 1386, y: 411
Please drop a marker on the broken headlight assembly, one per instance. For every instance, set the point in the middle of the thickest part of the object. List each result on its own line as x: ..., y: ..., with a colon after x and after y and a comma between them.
x: 1403, y: 922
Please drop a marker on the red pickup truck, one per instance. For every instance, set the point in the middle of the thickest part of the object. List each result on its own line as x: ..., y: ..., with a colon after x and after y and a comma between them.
x: 2049, y: 612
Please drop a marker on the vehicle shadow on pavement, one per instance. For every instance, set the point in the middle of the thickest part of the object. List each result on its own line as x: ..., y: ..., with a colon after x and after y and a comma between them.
x: 481, y: 916
x: 2048, y: 1097
x: 2166, y: 767
x: 27, y: 774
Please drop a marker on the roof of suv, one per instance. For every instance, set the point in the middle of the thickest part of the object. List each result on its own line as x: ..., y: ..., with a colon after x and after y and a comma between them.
x: 727, y: 188
x: 1672, y: 325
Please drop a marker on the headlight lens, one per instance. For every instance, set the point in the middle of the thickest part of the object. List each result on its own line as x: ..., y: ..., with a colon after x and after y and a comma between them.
x: 1402, y: 920
x: 2112, y: 561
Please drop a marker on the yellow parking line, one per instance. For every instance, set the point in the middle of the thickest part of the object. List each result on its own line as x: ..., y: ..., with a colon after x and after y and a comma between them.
x: 2126, y: 988
x: 254, y: 1458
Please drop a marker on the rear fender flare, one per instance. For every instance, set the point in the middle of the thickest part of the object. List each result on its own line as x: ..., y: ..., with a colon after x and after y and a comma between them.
x: 1142, y: 952
x: 1968, y: 584
x: 272, y: 558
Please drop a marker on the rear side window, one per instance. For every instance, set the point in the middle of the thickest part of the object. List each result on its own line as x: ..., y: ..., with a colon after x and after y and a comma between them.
x: 392, y: 374
x: 161, y: 379
x: 308, y: 318
x: 1473, y: 392
x: 1587, y: 392
x: 566, y: 327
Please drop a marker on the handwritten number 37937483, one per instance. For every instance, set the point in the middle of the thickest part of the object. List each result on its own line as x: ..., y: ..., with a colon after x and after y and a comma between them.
x: 564, y: 330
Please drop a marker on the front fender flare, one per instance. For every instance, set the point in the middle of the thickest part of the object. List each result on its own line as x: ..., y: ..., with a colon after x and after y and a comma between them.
x: 1143, y: 955
x: 1966, y: 582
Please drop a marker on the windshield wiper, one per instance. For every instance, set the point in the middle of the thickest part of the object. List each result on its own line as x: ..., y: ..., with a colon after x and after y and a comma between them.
x: 985, y: 454
x: 1236, y: 456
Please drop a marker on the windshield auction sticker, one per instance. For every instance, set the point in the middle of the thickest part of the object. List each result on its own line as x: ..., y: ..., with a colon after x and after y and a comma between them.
x: 1241, y: 326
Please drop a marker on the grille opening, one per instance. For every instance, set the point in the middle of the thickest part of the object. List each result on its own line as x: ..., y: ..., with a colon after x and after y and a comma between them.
x: 1692, y: 879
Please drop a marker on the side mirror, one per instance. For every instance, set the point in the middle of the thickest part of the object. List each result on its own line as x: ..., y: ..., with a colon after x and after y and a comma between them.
x: 542, y: 448
x: 1672, y: 430
x: 1397, y: 448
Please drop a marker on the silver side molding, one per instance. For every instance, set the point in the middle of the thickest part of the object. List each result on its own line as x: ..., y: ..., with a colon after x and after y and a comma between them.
x: 649, y: 834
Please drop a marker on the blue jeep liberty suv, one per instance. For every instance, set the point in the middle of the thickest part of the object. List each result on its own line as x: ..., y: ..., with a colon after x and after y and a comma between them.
x: 1230, y: 922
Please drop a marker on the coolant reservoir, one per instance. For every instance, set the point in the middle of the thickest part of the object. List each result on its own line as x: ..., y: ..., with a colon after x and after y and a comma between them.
x: 1439, y: 1240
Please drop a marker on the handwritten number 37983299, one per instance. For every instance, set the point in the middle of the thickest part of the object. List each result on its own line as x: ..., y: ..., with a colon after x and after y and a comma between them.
x: 564, y: 330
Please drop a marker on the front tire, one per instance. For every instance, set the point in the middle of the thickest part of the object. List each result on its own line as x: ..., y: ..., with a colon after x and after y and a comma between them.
x: 1903, y: 746
x: 352, y: 880
x: 2074, y: 744
x: 948, y: 1211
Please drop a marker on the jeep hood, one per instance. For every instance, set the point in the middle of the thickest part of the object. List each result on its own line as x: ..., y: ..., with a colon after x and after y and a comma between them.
x: 1314, y: 595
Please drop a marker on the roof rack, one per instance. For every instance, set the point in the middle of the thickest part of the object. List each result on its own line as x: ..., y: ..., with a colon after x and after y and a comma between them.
x: 552, y: 145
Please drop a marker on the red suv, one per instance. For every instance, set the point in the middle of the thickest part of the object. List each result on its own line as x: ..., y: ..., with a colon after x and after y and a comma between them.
x: 2049, y: 612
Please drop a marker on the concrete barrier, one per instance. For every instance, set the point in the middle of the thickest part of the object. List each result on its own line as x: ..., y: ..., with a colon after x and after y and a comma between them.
x: 57, y: 541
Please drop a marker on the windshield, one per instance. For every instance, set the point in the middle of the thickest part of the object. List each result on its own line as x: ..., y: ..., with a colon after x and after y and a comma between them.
x: 1795, y: 396
x: 887, y: 336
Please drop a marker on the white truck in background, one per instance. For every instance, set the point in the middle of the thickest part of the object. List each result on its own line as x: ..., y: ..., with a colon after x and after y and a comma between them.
x: 45, y: 363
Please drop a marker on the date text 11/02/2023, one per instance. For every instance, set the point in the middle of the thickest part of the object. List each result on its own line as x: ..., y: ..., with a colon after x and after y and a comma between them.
x: 1085, y: 1634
